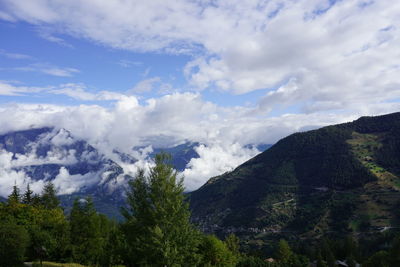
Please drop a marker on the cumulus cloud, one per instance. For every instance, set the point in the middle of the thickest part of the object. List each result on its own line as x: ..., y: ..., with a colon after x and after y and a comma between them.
x: 215, y: 160
x: 167, y: 121
x: 9, y: 178
x: 323, y: 48
x: 66, y: 183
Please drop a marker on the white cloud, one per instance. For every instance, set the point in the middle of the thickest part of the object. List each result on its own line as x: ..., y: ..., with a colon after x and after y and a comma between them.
x: 146, y: 85
x: 73, y: 90
x: 66, y: 183
x: 168, y: 121
x: 49, y: 69
x: 328, y: 63
x: 213, y: 161
x: 129, y: 63
x: 14, y: 55
x: 9, y: 89
x: 336, y: 55
x: 49, y: 36
x: 80, y: 92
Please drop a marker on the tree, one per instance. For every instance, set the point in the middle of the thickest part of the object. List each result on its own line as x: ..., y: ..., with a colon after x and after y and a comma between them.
x: 284, y: 252
x: 379, y: 259
x: 15, y: 196
x: 394, y: 252
x: 28, y: 195
x: 216, y: 253
x: 233, y: 243
x: 157, y: 227
x: 85, y: 225
x: 49, y: 199
x: 327, y: 253
x: 14, y: 241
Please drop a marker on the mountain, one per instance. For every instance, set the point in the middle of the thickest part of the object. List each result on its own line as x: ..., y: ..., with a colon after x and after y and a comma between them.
x: 337, y: 179
x: 55, y: 155
x: 75, y: 167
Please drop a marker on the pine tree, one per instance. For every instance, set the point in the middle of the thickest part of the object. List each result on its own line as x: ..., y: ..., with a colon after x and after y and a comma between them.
x: 49, y: 199
x: 15, y: 196
x: 28, y: 195
x: 157, y: 225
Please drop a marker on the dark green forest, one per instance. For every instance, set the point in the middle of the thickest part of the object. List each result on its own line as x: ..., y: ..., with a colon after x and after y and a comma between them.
x: 157, y: 231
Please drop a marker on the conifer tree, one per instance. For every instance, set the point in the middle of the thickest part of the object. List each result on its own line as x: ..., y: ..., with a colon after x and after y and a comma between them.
x: 157, y: 227
x: 28, y: 195
x: 15, y: 196
x: 49, y: 199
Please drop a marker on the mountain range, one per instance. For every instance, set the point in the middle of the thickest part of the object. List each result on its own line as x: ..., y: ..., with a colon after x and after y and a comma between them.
x: 75, y: 167
x: 338, y: 179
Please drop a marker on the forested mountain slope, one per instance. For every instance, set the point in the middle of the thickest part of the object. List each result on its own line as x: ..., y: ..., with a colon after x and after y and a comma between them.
x: 338, y: 178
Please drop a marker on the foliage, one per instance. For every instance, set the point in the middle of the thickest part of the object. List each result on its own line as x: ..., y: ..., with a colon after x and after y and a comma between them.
x: 14, y: 241
x: 27, y: 198
x: 49, y: 199
x: 157, y: 227
x: 283, y: 252
x: 216, y: 253
x: 85, y: 225
x: 15, y: 196
x: 233, y: 244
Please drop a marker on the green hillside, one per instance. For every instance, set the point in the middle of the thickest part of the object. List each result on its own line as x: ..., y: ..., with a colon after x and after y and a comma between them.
x: 337, y: 179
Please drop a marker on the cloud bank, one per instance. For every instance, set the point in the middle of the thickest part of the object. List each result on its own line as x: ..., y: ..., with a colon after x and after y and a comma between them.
x: 163, y: 122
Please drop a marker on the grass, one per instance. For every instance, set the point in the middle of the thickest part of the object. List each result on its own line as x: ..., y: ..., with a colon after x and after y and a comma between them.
x: 374, y: 206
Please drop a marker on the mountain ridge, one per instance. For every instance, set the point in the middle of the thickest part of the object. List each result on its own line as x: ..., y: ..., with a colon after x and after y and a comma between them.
x: 336, y: 178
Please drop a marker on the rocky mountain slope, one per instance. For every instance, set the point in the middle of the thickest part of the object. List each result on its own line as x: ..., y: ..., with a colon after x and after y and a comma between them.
x: 337, y: 179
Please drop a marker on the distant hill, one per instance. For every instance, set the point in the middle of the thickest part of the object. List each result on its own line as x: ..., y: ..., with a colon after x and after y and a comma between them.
x: 337, y: 179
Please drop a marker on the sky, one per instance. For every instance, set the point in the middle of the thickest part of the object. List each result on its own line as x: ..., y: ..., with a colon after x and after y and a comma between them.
x: 225, y: 73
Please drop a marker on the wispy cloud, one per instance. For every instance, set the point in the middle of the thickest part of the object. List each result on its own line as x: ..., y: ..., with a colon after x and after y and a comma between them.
x: 46, y: 34
x: 11, y: 89
x: 129, y: 63
x: 146, y: 85
x: 73, y: 90
x: 49, y: 69
x: 14, y: 55
x: 80, y: 92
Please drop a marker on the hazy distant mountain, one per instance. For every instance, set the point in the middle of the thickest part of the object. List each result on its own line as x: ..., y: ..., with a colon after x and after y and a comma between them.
x: 335, y: 179
x: 74, y: 166
x: 54, y: 155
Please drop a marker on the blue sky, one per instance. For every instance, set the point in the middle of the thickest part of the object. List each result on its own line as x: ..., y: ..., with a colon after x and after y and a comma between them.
x: 226, y: 73
x: 28, y: 58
